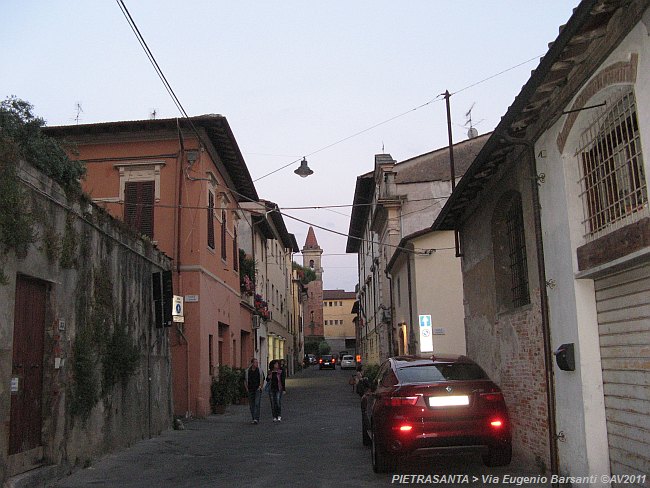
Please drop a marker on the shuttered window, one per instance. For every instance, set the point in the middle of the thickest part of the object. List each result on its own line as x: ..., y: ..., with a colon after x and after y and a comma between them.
x: 235, y: 252
x: 210, y: 220
x: 139, y: 199
x: 223, y: 235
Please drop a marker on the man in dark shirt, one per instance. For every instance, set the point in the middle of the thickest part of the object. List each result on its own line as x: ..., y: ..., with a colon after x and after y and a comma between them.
x: 253, y: 382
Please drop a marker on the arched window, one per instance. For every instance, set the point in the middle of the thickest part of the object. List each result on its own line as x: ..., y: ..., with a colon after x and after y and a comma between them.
x: 509, y: 248
x: 311, y: 263
x: 612, y: 179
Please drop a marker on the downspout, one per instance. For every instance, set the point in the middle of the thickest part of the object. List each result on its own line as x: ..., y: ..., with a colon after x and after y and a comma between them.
x: 546, y: 330
x: 178, y: 261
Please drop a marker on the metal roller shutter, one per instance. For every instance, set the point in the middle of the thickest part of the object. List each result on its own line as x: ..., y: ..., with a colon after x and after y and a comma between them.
x: 623, y: 304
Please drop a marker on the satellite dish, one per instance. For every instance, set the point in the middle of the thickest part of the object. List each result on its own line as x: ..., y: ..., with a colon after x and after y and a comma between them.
x: 472, y: 133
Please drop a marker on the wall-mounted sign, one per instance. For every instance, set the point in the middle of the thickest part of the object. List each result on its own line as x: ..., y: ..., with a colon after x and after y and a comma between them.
x: 177, y: 305
x: 191, y: 298
x: 61, y: 324
x: 439, y: 331
x: 178, y: 318
x: 426, y: 334
x: 14, y: 385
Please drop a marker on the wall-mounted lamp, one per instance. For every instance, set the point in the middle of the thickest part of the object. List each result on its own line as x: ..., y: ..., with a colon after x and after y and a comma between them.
x: 304, y: 170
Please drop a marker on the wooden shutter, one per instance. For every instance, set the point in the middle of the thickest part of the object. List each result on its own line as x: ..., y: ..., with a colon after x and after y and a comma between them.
x: 210, y: 220
x: 223, y: 235
x: 139, y: 199
x: 235, y: 252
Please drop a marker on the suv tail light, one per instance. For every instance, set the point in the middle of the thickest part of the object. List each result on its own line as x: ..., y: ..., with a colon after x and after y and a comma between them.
x: 496, y: 423
x: 400, y: 401
x: 320, y: 361
x: 492, y: 396
x: 333, y: 360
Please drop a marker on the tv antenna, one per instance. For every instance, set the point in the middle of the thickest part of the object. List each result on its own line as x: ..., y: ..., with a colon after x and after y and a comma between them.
x: 79, y: 111
x: 471, y: 131
x: 153, y: 113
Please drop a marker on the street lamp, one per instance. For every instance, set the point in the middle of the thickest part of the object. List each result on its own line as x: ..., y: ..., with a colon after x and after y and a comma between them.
x: 303, y: 170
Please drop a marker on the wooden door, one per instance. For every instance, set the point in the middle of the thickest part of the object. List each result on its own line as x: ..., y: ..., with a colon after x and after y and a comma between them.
x: 27, y: 369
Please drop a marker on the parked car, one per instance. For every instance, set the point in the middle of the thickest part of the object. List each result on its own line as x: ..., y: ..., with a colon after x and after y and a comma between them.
x: 327, y: 361
x: 348, y: 362
x: 434, y: 404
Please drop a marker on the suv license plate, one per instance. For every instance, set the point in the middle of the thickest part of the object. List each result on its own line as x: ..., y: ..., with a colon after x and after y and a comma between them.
x: 448, y: 401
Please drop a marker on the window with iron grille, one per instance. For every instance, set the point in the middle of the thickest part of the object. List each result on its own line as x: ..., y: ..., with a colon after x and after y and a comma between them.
x: 223, y: 235
x: 210, y: 220
x: 517, y: 254
x: 139, y: 199
x: 613, y: 187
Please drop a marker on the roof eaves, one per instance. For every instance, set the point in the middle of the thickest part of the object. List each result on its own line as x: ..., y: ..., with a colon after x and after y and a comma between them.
x: 360, y: 211
x: 495, y: 148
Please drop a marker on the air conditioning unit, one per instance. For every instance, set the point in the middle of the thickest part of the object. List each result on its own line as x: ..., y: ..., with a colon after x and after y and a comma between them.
x: 256, y: 321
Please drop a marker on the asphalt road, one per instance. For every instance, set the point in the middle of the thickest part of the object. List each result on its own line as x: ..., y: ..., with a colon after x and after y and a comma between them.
x: 317, y: 444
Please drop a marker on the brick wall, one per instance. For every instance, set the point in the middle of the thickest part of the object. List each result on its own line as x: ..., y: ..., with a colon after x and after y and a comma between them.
x: 314, y: 304
x: 523, y: 380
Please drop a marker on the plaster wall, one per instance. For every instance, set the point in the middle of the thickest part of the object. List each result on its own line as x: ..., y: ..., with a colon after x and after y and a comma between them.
x: 579, y: 394
x: 507, y: 343
x: 439, y: 291
x: 126, y: 412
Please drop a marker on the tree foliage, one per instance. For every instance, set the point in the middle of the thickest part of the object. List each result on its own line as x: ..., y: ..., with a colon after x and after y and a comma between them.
x: 306, y: 275
x: 21, y: 134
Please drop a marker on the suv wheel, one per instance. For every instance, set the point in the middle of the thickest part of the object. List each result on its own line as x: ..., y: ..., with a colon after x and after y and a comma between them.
x: 498, y: 456
x: 365, y: 438
x: 381, y: 461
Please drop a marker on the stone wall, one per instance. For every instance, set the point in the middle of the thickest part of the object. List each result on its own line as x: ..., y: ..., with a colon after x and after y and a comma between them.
x: 507, y: 343
x: 107, y: 370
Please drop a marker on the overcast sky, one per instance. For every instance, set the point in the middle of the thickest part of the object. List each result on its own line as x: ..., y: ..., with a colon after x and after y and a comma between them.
x: 292, y: 77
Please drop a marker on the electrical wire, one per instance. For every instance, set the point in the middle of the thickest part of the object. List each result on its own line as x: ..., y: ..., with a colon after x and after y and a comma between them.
x: 157, y: 68
x: 439, y: 97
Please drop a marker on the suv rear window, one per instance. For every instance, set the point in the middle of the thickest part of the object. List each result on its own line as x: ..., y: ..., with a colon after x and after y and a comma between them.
x: 428, y: 373
x: 326, y: 358
x: 348, y: 358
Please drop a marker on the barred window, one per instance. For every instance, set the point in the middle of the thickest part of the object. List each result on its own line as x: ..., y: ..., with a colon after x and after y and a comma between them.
x: 509, y: 247
x: 517, y: 254
x: 613, y: 187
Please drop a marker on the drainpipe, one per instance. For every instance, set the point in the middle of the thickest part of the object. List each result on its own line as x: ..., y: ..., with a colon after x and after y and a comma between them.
x: 178, y: 258
x: 541, y: 271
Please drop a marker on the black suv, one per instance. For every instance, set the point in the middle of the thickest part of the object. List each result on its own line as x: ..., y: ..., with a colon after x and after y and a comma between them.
x: 327, y: 361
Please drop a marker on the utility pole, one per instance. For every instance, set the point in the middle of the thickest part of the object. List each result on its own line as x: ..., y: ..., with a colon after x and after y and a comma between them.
x: 452, y: 168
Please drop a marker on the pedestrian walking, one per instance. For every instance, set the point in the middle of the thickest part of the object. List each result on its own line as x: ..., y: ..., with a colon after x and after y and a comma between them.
x: 357, y: 377
x: 275, y: 388
x: 283, y: 377
x: 253, y: 382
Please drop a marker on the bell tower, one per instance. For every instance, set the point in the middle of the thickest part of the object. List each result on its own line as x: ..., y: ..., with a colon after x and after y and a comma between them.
x: 311, y: 258
x: 311, y: 254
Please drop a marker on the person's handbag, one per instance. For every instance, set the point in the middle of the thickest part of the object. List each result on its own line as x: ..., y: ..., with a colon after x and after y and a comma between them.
x: 267, y: 387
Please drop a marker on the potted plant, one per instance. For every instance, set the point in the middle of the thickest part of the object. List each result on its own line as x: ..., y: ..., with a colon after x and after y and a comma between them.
x: 221, y: 392
x: 242, y: 394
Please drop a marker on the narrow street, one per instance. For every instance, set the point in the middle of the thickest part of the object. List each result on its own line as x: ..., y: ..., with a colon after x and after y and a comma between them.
x: 317, y: 444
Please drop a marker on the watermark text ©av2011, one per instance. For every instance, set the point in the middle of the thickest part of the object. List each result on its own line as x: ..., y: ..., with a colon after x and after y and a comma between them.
x: 507, y: 479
